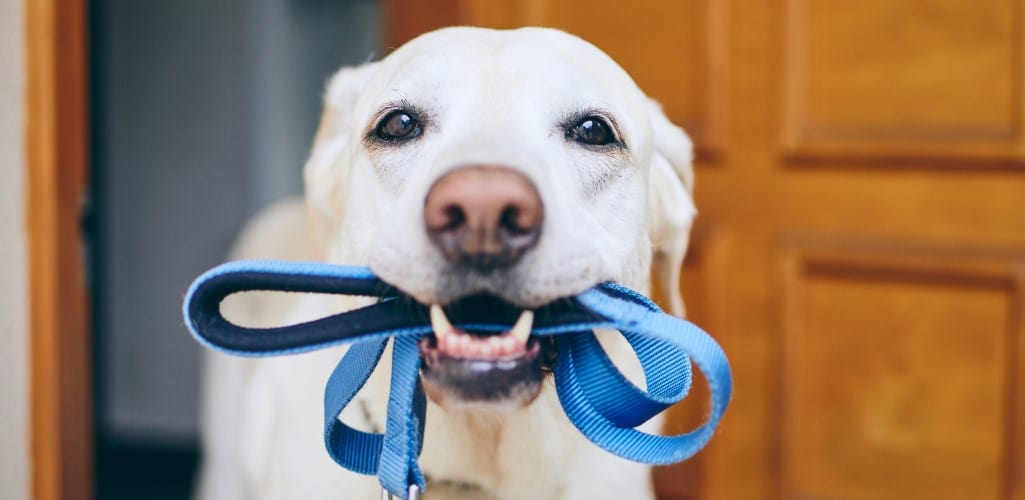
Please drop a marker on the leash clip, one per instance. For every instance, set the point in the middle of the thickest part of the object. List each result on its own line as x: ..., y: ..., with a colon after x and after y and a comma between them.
x: 412, y: 494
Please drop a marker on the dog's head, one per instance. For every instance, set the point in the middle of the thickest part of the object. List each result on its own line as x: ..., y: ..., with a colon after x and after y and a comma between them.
x: 495, y: 172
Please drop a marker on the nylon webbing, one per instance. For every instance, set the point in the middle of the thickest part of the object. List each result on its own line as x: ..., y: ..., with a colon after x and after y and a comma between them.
x: 597, y: 398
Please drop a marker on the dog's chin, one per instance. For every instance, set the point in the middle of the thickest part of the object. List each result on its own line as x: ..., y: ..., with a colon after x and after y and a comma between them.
x: 499, y: 371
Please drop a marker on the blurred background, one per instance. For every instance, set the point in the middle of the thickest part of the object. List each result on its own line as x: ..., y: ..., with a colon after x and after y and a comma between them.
x: 859, y: 249
x: 202, y: 113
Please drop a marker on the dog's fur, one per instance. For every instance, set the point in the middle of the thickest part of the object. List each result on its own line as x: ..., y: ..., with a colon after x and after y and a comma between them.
x: 487, y: 98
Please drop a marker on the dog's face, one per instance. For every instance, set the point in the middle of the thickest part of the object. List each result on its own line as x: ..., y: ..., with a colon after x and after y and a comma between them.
x: 490, y: 173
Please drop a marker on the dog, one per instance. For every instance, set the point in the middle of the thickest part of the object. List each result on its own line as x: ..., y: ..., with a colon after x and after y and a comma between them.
x: 471, y: 167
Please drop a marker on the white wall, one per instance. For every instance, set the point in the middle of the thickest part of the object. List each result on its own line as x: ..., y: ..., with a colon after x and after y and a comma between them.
x: 13, y: 300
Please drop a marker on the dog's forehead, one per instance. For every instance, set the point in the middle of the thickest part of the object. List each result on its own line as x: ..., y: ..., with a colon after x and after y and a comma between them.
x: 529, y: 64
x: 522, y: 48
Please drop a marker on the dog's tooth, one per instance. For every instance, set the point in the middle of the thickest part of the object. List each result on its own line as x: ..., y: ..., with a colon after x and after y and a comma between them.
x: 463, y: 343
x: 509, y: 345
x: 521, y: 330
x: 494, y: 346
x: 440, y: 324
x: 474, y: 349
x: 506, y: 345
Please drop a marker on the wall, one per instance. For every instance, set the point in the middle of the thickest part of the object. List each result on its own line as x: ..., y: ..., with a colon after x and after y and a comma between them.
x: 13, y: 304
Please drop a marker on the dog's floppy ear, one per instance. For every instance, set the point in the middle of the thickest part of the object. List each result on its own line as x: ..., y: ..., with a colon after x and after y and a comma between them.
x: 326, y: 173
x: 670, y: 205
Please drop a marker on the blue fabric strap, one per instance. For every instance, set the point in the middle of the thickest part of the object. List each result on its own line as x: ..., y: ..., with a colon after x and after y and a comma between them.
x: 355, y: 450
x: 403, y: 436
x: 597, y: 398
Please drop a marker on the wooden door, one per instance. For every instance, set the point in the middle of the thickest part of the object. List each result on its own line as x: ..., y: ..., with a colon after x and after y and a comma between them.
x: 56, y: 154
x: 860, y: 246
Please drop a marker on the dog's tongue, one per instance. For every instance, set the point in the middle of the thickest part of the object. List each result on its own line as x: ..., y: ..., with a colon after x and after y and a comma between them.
x: 459, y: 344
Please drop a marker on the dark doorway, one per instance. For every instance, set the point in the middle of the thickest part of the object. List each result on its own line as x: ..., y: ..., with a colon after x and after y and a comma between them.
x: 202, y: 114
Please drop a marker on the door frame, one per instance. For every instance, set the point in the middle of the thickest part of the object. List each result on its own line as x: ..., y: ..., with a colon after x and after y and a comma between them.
x: 56, y: 155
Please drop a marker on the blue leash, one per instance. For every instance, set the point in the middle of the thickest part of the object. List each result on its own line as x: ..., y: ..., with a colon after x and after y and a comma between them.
x: 600, y: 402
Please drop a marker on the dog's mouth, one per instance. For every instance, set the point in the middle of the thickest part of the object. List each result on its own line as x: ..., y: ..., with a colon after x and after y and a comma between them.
x: 494, y: 370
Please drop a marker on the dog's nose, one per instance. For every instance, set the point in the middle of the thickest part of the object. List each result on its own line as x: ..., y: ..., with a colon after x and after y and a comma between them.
x: 484, y: 217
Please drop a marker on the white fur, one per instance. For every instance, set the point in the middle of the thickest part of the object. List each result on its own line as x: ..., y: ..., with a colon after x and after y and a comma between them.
x: 497, y: 98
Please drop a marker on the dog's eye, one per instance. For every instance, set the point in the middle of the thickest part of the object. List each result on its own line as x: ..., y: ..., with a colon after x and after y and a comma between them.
x: 398, y: 125
x: 593, y: 131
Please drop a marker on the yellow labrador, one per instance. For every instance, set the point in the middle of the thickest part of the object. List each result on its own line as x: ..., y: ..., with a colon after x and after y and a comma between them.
x: 469, y: 168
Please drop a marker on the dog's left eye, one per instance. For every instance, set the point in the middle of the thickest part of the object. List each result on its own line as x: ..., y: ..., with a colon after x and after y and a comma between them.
x: 398, y: 125
x: 592, y: 131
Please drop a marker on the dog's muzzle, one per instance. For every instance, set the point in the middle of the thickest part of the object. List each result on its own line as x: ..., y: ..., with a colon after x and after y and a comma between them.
x: 483, y: 218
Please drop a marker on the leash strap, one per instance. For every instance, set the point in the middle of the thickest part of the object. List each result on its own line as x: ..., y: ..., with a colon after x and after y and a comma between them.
x: 600, y: 402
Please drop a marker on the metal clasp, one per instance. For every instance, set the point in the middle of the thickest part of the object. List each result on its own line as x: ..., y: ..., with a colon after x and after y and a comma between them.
x: 412, y: 494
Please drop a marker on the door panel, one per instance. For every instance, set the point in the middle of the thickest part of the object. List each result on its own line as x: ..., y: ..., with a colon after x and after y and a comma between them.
x: 860, y: 244
x: 897, y: 367
x: 928, y: 77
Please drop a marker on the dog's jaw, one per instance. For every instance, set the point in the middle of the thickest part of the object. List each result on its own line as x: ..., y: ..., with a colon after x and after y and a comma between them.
x: 495, y: 372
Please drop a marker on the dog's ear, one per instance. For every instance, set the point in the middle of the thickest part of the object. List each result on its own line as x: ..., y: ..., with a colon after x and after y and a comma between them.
x: 670, y: 205
x: 326, y: 173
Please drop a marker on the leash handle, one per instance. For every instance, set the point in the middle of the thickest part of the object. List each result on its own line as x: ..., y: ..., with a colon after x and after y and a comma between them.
x: 209, y: 327
x: 387, y: 318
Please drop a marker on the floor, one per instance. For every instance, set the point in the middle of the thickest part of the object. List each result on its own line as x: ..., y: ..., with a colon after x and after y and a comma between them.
x: 126, y: 470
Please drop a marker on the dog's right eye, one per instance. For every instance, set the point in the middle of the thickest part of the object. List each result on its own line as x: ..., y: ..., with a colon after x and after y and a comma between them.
x: 398, y: 125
